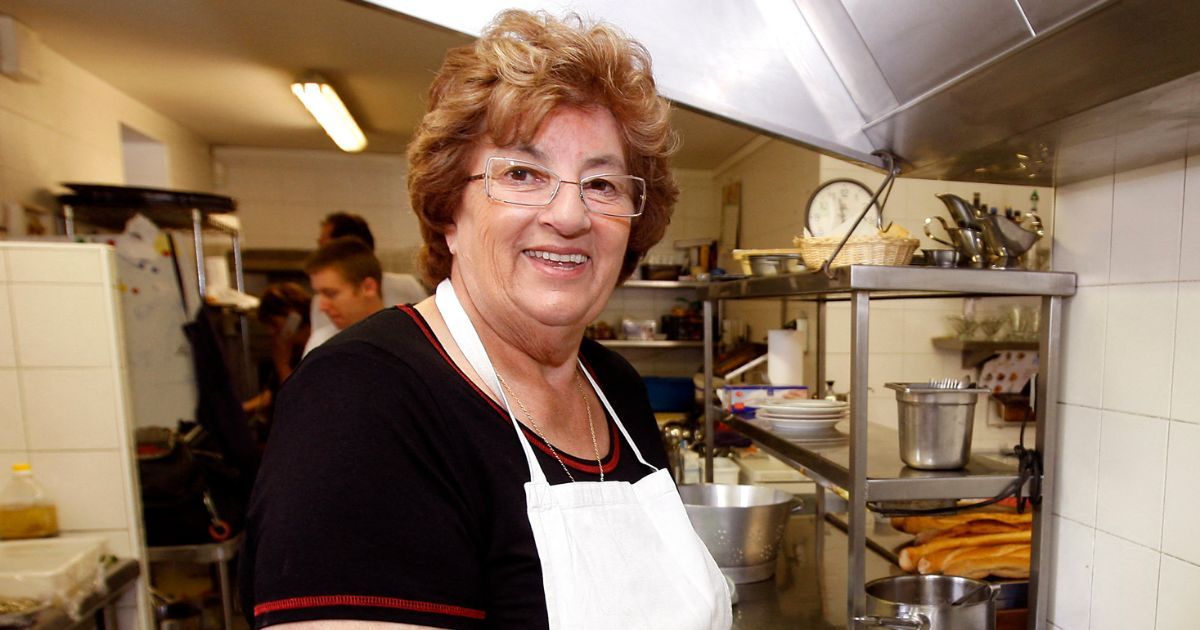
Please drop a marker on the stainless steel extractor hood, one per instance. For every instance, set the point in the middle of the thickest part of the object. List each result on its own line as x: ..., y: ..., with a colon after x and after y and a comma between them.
x: 988, y: 90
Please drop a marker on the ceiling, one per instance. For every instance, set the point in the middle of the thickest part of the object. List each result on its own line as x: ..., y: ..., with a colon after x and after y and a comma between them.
x: 223, y: 68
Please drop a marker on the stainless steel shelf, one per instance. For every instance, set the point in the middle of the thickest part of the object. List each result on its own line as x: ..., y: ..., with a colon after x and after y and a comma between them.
x: 867, y: 466
x: 888, y: 479
x: 895, y: 282
x: 650, y: 343
x: 664, y: 284
x: 976, y: 352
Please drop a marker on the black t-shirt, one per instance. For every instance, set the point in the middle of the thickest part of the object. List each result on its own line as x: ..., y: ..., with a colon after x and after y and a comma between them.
x: 393, y: 489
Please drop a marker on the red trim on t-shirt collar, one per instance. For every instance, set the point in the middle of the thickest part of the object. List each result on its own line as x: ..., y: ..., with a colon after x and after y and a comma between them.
x: 367, y: 601
x: 572, y: 461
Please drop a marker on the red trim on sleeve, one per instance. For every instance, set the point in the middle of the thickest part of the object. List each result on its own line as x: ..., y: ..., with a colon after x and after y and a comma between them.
x: 534, y: 438
x: 366, y: 601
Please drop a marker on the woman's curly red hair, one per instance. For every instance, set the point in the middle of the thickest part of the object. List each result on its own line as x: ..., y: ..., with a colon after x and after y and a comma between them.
x: 503, y: 87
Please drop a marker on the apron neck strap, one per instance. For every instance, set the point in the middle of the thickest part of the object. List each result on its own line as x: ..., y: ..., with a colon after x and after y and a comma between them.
x: 468, y: 341
x: 612, y: 412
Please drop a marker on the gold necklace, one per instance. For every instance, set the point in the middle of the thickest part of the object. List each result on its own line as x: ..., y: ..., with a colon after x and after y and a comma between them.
x: 587, y: 406
x: 537, y: 429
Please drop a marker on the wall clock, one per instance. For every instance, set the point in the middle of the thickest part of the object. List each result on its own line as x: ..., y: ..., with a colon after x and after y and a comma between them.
x: 836, y: 202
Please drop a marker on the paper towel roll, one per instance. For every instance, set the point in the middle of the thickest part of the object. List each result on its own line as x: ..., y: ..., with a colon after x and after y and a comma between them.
x: 216, y: 274
x: 785, y: 356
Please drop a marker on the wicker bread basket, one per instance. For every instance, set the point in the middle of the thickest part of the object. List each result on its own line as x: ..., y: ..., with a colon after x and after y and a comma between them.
x: 876, y: 249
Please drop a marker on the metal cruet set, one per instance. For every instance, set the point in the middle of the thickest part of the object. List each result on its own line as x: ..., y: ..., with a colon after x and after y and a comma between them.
x: 986, y: 240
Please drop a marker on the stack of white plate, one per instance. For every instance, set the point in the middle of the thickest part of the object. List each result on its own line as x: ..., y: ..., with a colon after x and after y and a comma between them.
x: 804, y: 419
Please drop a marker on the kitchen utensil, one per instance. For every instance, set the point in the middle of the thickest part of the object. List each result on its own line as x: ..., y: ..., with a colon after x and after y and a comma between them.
x: 802, y: 408
x: 947, y: 228
x: 972, y: 248
x: 817, y: 430
x: 816, y: 415
x: 935, y: 424
x: 1006, y: 239
x: 961, y: 211
x: 947, y: 258
x: 774, y: 264
x: 970, y: 595
x: 966, y: 239
x: 927, y: 602
x: 742, y: 256
x: 740, y: 525
x: 801, y: 428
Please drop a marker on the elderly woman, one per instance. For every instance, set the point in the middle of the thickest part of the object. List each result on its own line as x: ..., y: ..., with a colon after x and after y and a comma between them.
x: 473, y: 461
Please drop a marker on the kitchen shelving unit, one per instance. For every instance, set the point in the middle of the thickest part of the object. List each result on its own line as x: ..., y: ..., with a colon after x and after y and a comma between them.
x: 868, y: 467
x: 111, y: 207
x: 976, y: 352
x: 650, y: 343
x: 657, y: 344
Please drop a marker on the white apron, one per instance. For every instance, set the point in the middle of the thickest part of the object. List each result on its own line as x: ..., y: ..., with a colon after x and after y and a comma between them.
x: 613, y: 554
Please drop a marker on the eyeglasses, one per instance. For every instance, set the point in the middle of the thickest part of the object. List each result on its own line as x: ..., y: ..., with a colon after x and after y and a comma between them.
x: 527, y: 184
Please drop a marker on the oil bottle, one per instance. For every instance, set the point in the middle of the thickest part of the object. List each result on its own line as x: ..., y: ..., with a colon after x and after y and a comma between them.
x: 25, y: 509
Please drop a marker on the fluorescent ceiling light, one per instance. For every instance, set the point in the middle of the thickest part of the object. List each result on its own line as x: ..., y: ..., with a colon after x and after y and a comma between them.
x: 323, y: 103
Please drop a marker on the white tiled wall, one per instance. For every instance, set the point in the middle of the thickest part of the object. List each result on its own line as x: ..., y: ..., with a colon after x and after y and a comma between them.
x: 1126, y: 512
x: 62, y: 380
x: 284, y: 194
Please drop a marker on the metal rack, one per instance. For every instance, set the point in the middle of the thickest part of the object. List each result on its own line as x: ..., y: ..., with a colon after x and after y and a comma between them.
x: 867, y: 468
x: 110, y: 208
x: 656, y: 344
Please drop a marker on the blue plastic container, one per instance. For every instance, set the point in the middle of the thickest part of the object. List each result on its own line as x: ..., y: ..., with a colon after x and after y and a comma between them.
x: 670, y: 393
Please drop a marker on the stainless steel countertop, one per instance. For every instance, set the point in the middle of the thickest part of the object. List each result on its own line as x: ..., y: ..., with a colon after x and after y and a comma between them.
x: 809, y: 586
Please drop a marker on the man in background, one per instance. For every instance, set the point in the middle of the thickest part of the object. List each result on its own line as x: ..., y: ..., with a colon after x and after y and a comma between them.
x: 346, y: 280
x: 342, y: 224
x: 396, y: 288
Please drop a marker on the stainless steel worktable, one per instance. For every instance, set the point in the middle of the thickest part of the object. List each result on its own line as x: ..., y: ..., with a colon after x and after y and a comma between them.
x: 809, y: 587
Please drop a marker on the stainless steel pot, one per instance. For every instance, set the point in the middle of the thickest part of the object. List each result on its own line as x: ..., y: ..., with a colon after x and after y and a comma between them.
x: 936, y: 424
x: 741, y: 526
x: 928, y: 602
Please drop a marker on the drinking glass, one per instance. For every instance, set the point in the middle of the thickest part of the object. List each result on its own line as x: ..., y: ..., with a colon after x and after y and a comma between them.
x: 1023, y: 322
x: 964, y: 327
x: 990, y: 326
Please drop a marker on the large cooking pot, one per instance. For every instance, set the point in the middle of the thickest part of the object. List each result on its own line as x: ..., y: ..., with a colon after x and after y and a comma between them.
x: 928, y: 602
x: 740, y: 525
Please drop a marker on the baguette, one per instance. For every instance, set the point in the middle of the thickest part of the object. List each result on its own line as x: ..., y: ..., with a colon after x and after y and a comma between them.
x: 910, y: 556
x: 918, y: 524
x: 1014, y: 564
x: 937, y: 561
x: 969, y: 528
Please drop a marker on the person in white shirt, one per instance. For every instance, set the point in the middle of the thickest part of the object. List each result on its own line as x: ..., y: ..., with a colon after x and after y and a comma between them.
x: 395, y: 288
